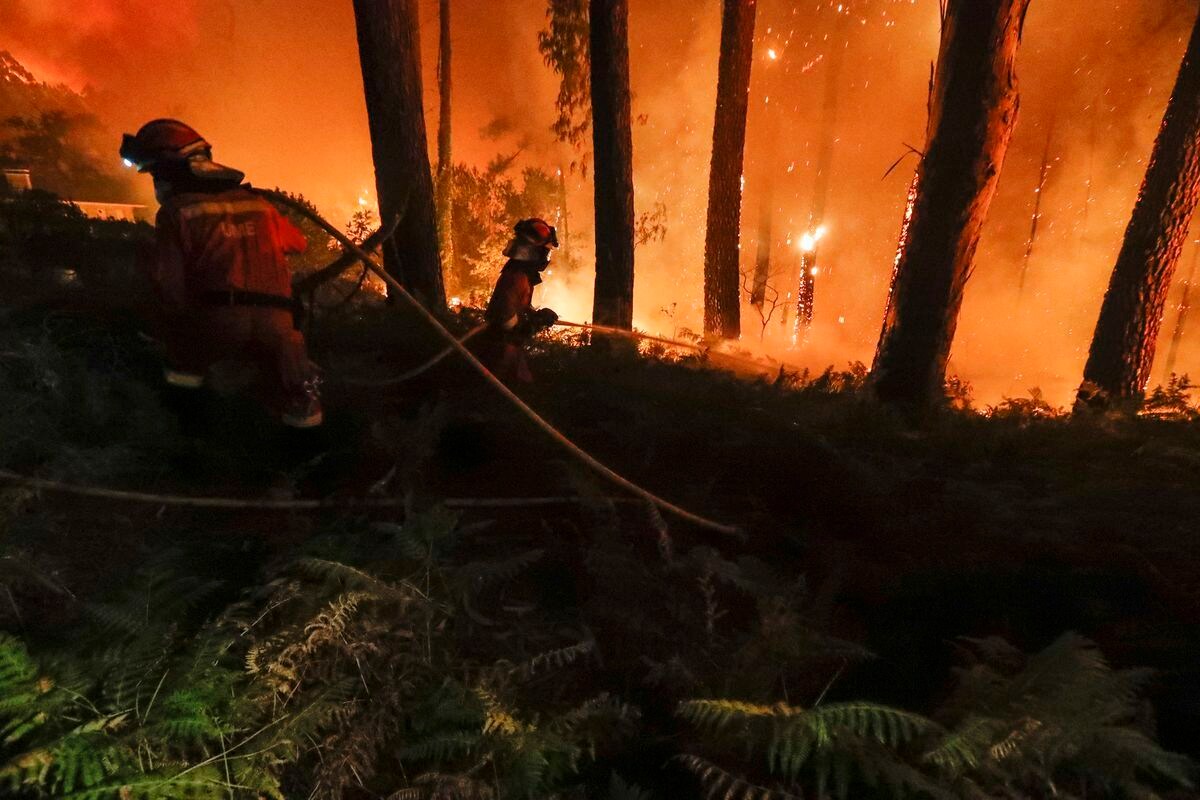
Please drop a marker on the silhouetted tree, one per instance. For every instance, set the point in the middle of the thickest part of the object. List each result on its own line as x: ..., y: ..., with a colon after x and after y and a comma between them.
x: 390, y: 52
x: 445, y: 164
x: 1122, y: 352
x: 612, y: 140
x: 722, y: 306
x: 973, y: 110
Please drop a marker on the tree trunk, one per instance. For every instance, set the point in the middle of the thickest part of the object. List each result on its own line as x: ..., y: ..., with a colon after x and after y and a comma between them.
x: 722, y: 277
x: 973, y: 110
x: 762, y: 261
x: 612, y: 139
x: 389, y: 49
x: 1185, y: 305
x: 445, y: 162
x: 1122, y: 352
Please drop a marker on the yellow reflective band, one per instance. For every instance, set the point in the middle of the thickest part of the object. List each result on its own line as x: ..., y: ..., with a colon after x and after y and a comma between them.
x: 184, y: 380
x: 215, y: 208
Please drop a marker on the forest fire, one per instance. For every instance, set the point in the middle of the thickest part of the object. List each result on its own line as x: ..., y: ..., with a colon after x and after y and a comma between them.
x: 1105, y: 139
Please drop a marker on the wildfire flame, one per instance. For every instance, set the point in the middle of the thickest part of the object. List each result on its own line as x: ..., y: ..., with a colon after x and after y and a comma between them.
x: 808, y: 241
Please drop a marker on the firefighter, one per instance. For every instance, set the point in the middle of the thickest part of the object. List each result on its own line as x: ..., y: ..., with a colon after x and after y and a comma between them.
x: 221, y: 272
x: 512, y: 319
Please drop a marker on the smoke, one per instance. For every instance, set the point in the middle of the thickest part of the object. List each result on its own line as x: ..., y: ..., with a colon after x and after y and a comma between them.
x: 274, y: 84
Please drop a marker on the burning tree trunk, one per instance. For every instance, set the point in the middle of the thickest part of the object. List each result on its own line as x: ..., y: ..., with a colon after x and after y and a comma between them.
x: 445, y: 163
x: 1122, y: 352
x: 806, y: 291
x: 612, y: 139
x: 973, y: 110
x: 389, y: 49
x: 722, y: 301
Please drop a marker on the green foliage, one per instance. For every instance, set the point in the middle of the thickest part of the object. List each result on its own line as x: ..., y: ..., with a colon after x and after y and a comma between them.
x: 565, y: 47
x: 1172, y: 401
x: 1059, y: 722
x: 486, y: 205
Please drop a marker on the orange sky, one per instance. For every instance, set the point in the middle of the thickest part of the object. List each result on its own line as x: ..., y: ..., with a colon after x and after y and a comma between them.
x: 274, y: 84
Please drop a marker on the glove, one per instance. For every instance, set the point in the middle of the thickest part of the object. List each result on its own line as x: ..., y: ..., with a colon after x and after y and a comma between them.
x: 544, y: 318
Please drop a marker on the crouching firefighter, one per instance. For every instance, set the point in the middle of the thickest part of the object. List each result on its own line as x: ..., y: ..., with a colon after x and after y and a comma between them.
x: 221, y: 271
x: 511, y: 318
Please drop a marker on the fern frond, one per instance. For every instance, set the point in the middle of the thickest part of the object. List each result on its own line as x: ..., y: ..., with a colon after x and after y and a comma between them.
x: 438, y: 786
x: 552, y: 660
x: 477, y: 575
x: 346, y: 577
x: 717, y: 782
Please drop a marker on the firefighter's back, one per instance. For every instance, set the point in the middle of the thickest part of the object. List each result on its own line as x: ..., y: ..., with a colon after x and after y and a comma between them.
x: 233, y: 241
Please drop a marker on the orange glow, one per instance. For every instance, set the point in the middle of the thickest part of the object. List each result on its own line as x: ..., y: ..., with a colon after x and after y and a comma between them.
x: 275, y: 85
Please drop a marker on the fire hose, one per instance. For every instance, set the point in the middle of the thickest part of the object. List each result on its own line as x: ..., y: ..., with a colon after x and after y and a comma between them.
x: 579, y: 453
x: 436, y: 359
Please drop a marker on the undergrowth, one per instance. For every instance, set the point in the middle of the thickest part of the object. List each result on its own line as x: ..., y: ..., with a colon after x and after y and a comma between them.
x: 596, y: 652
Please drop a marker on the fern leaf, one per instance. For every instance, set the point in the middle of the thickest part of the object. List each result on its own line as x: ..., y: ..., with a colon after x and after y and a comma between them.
x: 716, y: 782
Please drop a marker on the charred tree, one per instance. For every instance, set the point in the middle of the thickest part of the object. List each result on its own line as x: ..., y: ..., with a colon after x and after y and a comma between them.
x: 973, y: 110
x: 1036, y: 219
x: 762, y: 260
x: 806, y: 292
x: 1122, y: 352
x: 612, y: 140
x: 445, y: 162
x: 389, y: 49
x: 722, y: 300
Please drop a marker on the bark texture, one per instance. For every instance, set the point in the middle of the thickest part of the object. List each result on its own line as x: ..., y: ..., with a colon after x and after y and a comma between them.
x: 445, y: 162
x: 1122, y: 352
x: 389, y: 49
x: 722, y: 277
x: 973, y: 110
x: 612, y: 140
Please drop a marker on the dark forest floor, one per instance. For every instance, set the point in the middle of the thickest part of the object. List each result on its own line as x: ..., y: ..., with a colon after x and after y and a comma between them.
x: 1020, y: 523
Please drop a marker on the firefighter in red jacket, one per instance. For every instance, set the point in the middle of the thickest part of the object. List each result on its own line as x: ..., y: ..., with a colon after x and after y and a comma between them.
x: 512, y: 319
x: 221, y: 271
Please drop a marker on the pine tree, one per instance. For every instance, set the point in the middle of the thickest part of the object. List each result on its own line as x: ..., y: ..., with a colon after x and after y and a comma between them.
x: 722, y: 301
x: 390, y: 52
x: 1122, y: 351
x: 612, y: 138
x: 445, y: 163
x: 973, y: 111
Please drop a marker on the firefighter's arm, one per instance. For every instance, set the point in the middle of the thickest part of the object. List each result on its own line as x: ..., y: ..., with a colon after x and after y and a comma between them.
x: 169, y: 272
x: 507, y: 309
x: 290, y: 238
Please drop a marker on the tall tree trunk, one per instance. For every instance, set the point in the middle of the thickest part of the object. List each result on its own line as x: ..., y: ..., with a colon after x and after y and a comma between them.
x: 766, y: 218
x: 390, y: 52
x: 1185, y: 305
x: 722, y: 277
x: 612, y: 139
x: 445, y: 162
x: 1122, y: 352
x: 564, y: 219
x: 973, y: 110
x: 1036, y: 219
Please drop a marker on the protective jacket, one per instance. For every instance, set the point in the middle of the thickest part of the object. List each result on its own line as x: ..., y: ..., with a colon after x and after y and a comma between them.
x: 221, y: 243
x: 502, y: 346
x: 225, y: 286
